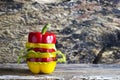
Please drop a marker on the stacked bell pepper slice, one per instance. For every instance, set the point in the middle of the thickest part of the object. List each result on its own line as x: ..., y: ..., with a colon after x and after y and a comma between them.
x: 41, y: 54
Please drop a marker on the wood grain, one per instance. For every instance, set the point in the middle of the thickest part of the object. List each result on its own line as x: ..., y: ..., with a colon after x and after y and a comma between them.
x: 63, y: 72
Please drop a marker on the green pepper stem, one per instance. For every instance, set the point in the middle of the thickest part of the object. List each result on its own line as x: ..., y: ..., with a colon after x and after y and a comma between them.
x: 45, y: 28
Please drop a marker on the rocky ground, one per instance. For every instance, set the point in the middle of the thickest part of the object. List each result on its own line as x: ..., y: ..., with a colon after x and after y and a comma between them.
x: 88, y: 31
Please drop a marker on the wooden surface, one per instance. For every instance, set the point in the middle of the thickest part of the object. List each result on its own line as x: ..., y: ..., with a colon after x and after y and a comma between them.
x: 63, y: 72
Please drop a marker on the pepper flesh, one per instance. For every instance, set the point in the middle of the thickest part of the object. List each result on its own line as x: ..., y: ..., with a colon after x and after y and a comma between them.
x: 45, y: 42
x: 40, y: 45
x: 36, y: 67
x: 38, y: 37
x: 35, y: 37
x: 49, y: 38
x: 43, y: 67
x: 41, y: 52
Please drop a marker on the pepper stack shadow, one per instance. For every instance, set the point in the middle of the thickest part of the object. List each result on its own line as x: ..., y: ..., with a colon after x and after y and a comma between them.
x: 41, y: 54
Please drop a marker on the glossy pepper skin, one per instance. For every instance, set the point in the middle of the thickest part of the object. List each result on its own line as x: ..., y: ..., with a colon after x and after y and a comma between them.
x: 44, y: 50
x: 41, y: 52
x: 46, y: 66
x: 49, y: 38
x: 35, y: 37
x: 38, y: 37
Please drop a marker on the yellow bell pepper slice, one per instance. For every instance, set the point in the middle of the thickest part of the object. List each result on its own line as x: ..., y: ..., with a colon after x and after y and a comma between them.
x: 40, y: 45
x: 41, y: 67
x: 33, y: 54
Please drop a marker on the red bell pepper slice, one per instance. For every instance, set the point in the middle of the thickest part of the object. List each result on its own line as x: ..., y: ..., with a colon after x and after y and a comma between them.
x: 43, y: 50
x: 49, y: 38
x: 42, y: 59
x: 42, y: 37
x: 35, y: 37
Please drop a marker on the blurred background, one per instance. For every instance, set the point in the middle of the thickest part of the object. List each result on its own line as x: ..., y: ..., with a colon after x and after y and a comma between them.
x: 88, y: 31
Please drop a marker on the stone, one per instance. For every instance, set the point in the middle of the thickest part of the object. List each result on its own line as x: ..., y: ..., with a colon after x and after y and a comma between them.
x: 48, y: 1
x: 82, y: 27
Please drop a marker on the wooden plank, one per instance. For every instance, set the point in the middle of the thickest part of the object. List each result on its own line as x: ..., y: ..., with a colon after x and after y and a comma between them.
x: 63, y: 72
